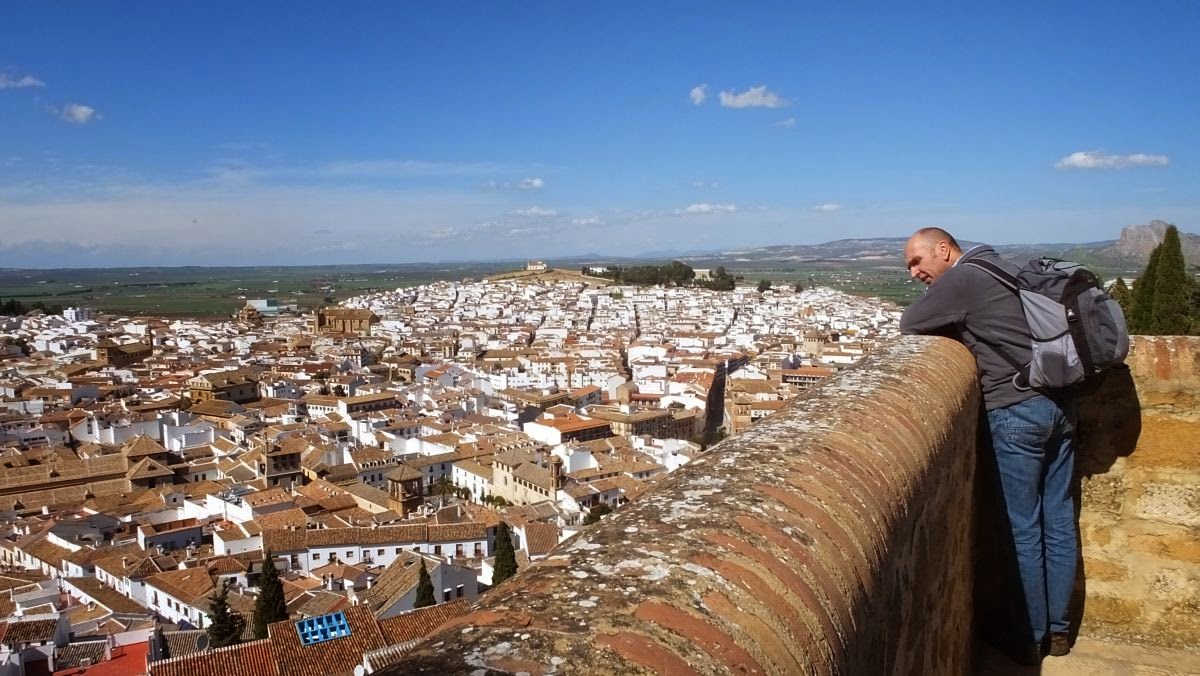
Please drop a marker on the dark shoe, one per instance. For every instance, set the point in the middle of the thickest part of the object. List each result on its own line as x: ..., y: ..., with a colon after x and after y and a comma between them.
x: 1060, y: 644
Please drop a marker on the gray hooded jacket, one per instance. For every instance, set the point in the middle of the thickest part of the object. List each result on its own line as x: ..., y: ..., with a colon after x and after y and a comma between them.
x: 969, y: 305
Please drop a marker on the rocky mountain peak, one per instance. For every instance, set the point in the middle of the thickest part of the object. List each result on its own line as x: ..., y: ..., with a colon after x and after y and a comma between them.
x: 1137, y: 241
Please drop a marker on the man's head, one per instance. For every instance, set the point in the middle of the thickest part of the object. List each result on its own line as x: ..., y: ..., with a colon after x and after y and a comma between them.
x: 930, y: 252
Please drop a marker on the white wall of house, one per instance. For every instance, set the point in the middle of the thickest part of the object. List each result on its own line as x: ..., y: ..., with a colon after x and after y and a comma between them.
x: 173, y: 609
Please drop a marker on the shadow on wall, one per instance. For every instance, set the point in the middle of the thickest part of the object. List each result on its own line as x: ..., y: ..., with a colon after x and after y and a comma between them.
x: 1110, y: 423
x: 1108, y: 428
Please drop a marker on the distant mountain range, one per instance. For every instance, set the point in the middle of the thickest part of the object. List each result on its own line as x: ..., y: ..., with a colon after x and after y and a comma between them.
x: 1130, y: 252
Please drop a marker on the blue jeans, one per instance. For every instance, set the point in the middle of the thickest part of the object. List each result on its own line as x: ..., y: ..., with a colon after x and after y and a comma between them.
x: 1035, y: 455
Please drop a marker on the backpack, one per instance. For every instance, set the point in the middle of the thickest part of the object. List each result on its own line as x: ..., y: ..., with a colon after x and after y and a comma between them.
x: 1076, y: 330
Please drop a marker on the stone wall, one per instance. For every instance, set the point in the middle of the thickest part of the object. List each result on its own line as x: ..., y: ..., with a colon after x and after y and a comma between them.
x: 834, y: 537
x: 1140, y: 517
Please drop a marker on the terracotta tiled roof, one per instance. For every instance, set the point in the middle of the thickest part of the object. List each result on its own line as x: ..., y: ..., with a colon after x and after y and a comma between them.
x: 419, y: 623
x: 72, y: 655
x: 141, y: 446
x: 148, y: 468
x: 189, y: 585
x: 540, y: 538
x: 397, y: 579
x: 183, y: 643
x: 457, y: 532
x: 255, y: 658
x: 30, y: 631
x: 109, y: 598
x: 335, y: 656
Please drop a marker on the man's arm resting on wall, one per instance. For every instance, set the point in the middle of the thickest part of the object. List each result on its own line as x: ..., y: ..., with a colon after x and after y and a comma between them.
x: 936, y: 312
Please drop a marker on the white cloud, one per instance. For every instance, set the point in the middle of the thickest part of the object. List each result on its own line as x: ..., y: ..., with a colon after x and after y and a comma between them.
x: 77, y: 113
x: 786, y: 124
x: 532, y: 184
x: 828, y: 206
x: 538, y: 212
x: 706, y: 208
x: 698, y: 94
x: 705, y: 184
x: 591, y: 220
x: 754, y: 97
x: 8, y: 82
x: 1095, y: 159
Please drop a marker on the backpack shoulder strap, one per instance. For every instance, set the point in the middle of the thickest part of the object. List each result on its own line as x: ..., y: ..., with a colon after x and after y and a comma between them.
x: 1003, y: 276
x: 1009, y: 281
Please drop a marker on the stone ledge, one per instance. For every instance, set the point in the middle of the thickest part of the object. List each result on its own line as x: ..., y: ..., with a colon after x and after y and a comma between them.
x: 833, y: 537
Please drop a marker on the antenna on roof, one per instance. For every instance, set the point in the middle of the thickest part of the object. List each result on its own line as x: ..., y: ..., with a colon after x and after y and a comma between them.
x: 202, y: 642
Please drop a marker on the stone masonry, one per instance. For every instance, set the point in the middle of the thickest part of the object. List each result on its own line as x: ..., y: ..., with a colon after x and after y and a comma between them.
x: 834, y: 537
x: 1140, y: 487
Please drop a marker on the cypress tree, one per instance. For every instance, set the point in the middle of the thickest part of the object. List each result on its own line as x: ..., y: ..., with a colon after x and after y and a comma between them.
x: 226, y: 626
x: 424, y: 589
x: 1172, y: 289
x: 506, y: 558
x: 1121, y: 293
x: 1143, y: 295
x: 270, y: 606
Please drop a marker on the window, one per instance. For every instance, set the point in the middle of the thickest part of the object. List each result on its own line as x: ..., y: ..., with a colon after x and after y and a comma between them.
x: 349, y: 553
x: 316, y: 556
x: 437, y: 549
x: 458, y: 592
x: 398, y: 550
x: 445, y: 595
x: 379, y: 551
x: 478, y: 549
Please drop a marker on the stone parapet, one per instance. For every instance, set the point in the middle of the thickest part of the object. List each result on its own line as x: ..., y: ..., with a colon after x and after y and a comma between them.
x: 833, y: 537
x: 1139, y: 463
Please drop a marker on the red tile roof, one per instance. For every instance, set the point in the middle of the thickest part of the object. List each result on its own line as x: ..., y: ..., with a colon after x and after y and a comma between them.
x: 254, y: 658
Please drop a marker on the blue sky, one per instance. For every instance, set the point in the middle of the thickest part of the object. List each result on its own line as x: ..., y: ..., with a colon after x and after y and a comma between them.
x: 243, y: 133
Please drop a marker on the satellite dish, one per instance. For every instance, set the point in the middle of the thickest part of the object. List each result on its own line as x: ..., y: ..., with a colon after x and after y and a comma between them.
x: 360, y: 670
x: 202, y: 642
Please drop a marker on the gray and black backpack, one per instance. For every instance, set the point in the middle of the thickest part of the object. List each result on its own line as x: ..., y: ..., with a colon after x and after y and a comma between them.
x: 1076, y: 329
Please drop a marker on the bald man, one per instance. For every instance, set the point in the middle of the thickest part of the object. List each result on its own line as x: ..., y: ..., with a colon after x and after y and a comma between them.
x: 1032, y: 432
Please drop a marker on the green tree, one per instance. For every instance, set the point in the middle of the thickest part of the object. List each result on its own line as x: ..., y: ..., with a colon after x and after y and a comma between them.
x: 424, y: 588
x: 764, y: 285
x: 596, y: 512
x: 1143, y: 295
x: 270, y: 606
x: 225, y: 627
x: 444, y: 487
x: 1170, y: 311
x: 506, y: 556
x: 1121, y: 293
x: 339, y: 391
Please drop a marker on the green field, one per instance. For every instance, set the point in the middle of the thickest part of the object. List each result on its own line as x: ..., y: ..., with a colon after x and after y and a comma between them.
x: 215, y: 292
x: 210, y: 292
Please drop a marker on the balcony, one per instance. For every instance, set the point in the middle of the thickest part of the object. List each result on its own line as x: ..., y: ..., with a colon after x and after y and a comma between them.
x: 839, y: 536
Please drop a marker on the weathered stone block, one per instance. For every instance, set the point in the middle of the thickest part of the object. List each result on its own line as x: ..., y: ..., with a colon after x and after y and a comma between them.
x: 1178, y: 587
x: 1103, y: 493
x: 1107, y: 571
x: 1177, y: 503
x: 1111, y: 610
x: 1167, y: 442
x: 1182, y: 546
